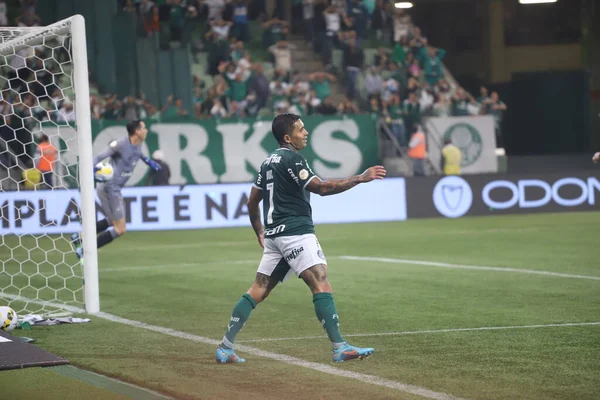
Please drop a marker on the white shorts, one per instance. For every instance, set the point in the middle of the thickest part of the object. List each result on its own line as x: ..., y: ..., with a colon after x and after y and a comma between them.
x: 286, y: 254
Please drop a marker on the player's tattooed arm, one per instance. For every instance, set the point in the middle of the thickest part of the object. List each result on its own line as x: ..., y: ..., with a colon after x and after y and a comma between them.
x: 335, y: 186
x: 254, y: 200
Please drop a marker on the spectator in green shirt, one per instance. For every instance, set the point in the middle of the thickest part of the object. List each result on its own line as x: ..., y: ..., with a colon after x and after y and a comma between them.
x: 321, y: 83
x: 411, y: 111
x: 218, y: 49
x: 374, y: 107
x: 460, y: 103
x: 173, y: 110
x: 483, y: 96
x: 237, y: 50
x: 238, y: 81
x: 274, y: 30
x: 394, y: 117
x: 431, y: 58
x: 400, y: 51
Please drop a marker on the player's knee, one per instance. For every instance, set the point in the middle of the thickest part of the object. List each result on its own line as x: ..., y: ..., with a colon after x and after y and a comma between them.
x: 316, y: 279
x: 322, y: 287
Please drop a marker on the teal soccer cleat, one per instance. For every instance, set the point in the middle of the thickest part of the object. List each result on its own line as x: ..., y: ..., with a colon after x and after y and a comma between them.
x: 224, y: 356
x: 348, y: 352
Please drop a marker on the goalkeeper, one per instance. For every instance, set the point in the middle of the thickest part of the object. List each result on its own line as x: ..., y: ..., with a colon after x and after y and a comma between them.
x: 124, y: 155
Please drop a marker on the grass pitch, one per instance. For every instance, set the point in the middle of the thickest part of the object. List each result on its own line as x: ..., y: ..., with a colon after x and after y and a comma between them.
x: 189, y: 281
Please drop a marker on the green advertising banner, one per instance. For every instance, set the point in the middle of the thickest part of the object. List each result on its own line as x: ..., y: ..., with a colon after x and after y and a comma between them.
x: 211, y: 151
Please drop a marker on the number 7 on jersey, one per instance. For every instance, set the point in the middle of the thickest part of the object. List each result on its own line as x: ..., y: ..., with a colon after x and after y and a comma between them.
x: 270, y: 189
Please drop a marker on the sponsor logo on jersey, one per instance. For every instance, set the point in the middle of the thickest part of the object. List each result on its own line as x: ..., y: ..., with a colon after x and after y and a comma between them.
x: 293, y: 175
x: 303, y: 174
x: 320, y: 254
x: 273, y: 231
x: 294, y: 254
x: 270, y: 175
x: 273, y: 159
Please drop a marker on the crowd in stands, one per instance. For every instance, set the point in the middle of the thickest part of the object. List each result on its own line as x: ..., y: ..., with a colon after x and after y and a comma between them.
x: 403, y: 82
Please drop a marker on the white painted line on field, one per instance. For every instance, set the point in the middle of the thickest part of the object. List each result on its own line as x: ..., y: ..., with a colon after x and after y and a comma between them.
x: 475, y: 267
x: 207, y: 243
x: 179, y: 265
x: 483, y: 328
x: 375, y: 380
x: 417, y: 390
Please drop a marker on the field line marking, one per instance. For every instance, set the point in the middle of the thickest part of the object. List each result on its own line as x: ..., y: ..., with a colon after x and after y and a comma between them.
x: 357, y: 258
x: 365, y: 378
x: 417, y: 390
x: 184, y: 245
x: 183, y: 265
x: 483, y: 328
x: 459, y: 266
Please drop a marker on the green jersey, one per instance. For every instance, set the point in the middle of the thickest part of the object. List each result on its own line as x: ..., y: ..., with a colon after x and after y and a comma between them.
x: 283, y: 177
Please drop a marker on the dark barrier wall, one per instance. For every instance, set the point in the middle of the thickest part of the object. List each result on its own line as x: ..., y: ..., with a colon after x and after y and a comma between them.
x: 455, y: 196
x: 549, y: 113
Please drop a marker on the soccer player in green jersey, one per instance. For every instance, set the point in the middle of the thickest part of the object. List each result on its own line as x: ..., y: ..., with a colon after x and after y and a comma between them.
x: 288, y: 236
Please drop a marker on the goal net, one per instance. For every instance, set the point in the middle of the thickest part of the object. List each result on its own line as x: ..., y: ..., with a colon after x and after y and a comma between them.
x: 46, y: 177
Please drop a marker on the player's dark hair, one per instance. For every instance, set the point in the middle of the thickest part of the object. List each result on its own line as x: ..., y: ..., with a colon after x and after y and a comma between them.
x: 44, y: 138
x: 132, y: 126
x: 283, y: 125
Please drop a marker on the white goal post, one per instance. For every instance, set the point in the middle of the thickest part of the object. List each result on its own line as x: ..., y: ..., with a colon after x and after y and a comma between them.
x: 43, y: 81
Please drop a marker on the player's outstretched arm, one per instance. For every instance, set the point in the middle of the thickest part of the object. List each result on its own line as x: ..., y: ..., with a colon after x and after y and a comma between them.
x: 596, y: 157
x: 151, y: 163
x: 254, y: 200
x: 335, y: 186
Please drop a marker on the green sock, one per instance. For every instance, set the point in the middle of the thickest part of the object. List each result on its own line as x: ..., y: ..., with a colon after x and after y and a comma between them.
x: 328, y: 317
x: 239, y: 316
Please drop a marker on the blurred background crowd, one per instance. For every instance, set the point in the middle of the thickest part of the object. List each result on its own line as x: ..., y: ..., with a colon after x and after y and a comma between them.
x: 258, y: 58
x: 310, y: 57
x: 373, y: 60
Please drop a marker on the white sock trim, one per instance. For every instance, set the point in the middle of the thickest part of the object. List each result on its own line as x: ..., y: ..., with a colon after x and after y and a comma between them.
x: 227, y: 343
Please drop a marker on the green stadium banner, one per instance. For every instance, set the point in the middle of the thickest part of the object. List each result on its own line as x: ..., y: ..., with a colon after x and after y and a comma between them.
x: 215, y: 151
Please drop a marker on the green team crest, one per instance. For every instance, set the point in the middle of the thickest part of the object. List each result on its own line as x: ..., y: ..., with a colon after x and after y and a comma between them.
x: 468, y: 140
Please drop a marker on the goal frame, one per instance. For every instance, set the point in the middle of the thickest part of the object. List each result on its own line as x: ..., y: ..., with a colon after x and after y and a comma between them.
x: 75, y: 25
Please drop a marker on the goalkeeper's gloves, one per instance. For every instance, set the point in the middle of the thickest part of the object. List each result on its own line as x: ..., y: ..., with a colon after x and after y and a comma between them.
x: 151, y: 163
x: 97, y: 179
